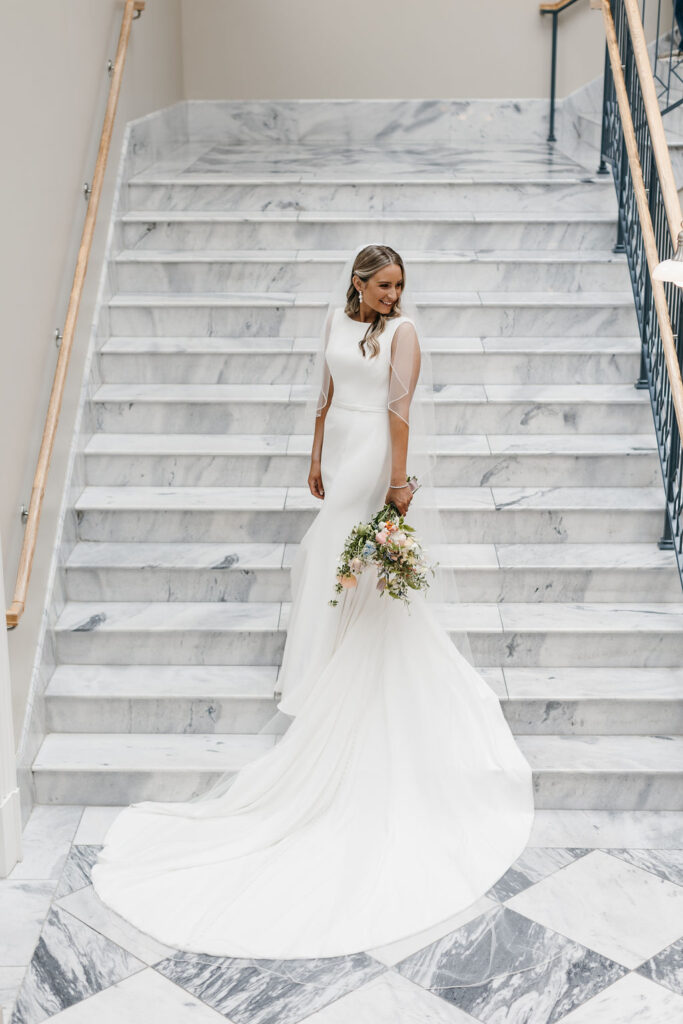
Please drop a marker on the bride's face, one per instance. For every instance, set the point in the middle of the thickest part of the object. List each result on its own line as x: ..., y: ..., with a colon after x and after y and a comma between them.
x: 383, y: 290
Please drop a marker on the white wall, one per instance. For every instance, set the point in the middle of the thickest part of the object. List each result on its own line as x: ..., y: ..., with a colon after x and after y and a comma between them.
x: 269, y: 49
x: 53, y: 83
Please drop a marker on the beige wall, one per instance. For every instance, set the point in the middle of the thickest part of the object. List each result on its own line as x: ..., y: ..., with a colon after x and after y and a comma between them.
x: 267, y: 49
x: 53, y: 56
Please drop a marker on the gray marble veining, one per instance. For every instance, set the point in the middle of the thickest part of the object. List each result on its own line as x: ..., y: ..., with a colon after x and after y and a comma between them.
x: 265, y: 991
x: 76, y: 872
x: 666, y: 967
x: 71, y: 962
x: 622, y: 911
x: 503, y: 963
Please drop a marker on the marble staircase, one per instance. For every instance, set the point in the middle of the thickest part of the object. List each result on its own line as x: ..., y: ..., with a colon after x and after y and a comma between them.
x: 195, y: 494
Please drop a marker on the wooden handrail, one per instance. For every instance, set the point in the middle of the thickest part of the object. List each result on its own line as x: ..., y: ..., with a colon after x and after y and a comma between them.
x: 673, y: 207
x: 28, y: 548
x: 558, y: 6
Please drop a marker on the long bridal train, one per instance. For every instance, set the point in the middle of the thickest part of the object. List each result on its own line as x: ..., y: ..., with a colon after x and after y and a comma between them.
x: 396, y: 797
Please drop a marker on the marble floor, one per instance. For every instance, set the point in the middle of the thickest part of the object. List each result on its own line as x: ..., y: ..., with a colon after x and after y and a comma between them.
x: 586, y: 927
x: 523, y: 161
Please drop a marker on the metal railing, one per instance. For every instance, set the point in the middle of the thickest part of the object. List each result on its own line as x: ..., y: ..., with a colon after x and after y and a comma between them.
x: 132, y: 11
x: 667, y: 60
x: 649, y: 219
x: 555, y: 9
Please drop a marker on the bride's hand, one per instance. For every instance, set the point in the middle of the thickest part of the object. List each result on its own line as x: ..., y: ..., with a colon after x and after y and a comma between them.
x: 315, y: 480
x: 401, y: 497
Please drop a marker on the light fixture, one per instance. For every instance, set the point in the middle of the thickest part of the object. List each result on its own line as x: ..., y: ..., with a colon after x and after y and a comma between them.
x: 671, y: 270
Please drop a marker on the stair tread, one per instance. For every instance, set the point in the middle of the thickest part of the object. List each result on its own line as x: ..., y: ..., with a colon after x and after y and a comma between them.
x: 582, y: 177
x: 149, y: 751
x: 502, y: 499
x: 279, y: 256
x: 553, y: 215
x: 228, y: 555
x: 191, y: 346
x: 234, y: 682
x: 477, y: 297
x: 518, y: 617
x: 112, y: 752
x: 300, y: 444
x: 163, y: 681
x: 449, y: 393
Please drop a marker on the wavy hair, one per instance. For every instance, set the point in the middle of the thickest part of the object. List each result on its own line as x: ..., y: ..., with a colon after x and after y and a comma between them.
x: 368, y: 261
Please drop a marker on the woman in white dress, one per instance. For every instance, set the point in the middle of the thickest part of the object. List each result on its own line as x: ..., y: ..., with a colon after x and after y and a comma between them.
x: 397, y: 794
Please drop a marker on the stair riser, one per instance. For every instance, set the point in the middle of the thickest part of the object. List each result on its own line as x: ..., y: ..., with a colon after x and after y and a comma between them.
x: 468, y: 526
x: 462, y: 320
x: 402, y: 235
x: 264, y: 647
x: 166, y: 715
x: 477, y: 585
x: 247, y: 276
x: 618, y: 790
x: 524, y: 470
x: 627, y: 790
x: 375, y: 197
x: 295, y: 367
x: 275, y: 417
x: 245, y: 715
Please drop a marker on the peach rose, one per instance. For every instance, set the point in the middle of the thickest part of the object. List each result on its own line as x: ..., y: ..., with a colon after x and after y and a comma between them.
x: 347, y: 581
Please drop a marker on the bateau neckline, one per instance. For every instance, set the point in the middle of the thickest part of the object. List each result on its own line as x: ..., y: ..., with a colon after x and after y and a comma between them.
x: 366, y: 322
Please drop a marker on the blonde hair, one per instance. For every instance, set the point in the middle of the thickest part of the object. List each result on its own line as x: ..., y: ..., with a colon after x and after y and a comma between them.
x: 368, y: 261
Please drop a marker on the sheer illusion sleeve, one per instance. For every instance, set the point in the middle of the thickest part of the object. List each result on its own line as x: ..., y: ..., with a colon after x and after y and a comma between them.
x: 404, y: 369
x: 323, y: 370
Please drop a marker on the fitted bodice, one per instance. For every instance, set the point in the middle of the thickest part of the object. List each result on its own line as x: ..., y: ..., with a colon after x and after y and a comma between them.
x: 359, y: 381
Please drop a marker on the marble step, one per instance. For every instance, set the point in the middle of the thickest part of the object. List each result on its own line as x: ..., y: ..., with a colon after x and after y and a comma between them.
x: 587, y: 771
x: 130, y: 571
x: 378, y: 192
x: 253, y: 633
x: 471, y: 514
x: 504, y: 228
x: 228, y: 699
x: 183, y: 270
x: 474, y: 360
x: 459, y: 408
x: 533, y: 313
x: 468, y: 460
x: 160, y: 698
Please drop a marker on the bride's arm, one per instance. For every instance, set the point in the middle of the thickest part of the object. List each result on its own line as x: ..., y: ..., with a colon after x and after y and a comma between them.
x: 401, y: 496
x: 404, y: 373
x: 315, y: 480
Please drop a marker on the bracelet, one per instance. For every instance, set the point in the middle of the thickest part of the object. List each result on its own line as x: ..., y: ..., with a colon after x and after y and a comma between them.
x: 397, y: 487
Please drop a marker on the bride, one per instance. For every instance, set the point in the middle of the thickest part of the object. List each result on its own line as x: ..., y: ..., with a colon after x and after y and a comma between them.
x: 393, y: 794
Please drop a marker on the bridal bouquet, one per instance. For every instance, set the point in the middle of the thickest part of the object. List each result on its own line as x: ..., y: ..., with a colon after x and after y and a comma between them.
x: 385, y: 542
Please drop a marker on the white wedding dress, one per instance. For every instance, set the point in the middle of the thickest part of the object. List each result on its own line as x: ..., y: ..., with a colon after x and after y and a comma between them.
x: 396, y: 797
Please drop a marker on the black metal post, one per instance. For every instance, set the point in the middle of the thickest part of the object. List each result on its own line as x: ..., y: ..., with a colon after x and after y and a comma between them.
x: 666, y: 541
x: 553, y: 65
x: 603, y: 169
